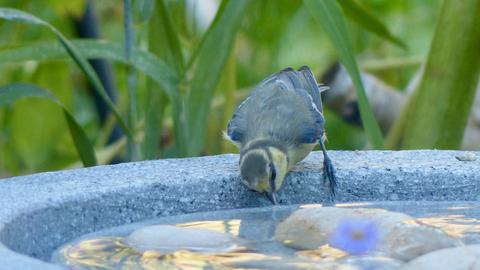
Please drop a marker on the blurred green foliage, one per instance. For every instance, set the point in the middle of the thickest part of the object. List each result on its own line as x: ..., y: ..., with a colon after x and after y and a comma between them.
x: 437, y: 113
x: 192, y: 70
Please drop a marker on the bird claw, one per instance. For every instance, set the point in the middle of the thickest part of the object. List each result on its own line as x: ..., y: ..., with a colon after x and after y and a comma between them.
x: 329, y: 174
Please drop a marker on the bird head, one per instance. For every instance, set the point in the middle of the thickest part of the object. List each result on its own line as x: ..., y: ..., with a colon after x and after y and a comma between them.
x: 264, y: 169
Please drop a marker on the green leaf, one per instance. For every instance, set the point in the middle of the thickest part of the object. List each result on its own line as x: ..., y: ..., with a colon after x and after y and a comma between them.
x: 13, y: 92
x: 163, y: 42
x: 156, y: 102
x: 78, y: 58
x: 438, y: 113
x: 212, y: 56
x: 82, y: 144
x: 329, y: 15
x: 142, y: 10
x: 164, y: 39
x: 146, y: 62
x: 367, y: 19
x: 229, y: 85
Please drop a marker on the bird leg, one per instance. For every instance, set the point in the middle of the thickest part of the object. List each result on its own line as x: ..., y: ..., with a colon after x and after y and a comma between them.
x: 328, y: 170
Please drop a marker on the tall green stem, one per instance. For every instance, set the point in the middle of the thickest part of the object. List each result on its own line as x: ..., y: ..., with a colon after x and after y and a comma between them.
x: 445, y: 94
x: 133, y: 150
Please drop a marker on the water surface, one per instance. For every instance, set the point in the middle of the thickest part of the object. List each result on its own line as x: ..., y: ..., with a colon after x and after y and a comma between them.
x: 256, y: 248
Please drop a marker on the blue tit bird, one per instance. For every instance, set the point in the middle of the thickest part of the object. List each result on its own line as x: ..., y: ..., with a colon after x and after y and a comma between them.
x: 277, y: 126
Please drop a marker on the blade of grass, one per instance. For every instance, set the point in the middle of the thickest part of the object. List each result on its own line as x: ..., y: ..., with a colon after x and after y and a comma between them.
x: 142, y: 10
x: 230, y: 85
x: 144, y: 61
x: 167, y: 38
x: 329, y: 15
x: 359, y: 14
x: 13, y: 92
x: 163, y: 42
x: 9, y: 154
x: 155, y: 69
x: 212, y: 56
x: 20, y: 16
x: 105, y: 154
x: 154, y: 114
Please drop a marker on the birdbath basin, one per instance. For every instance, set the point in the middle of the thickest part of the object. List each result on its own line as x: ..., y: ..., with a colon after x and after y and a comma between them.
x: 41, y: 212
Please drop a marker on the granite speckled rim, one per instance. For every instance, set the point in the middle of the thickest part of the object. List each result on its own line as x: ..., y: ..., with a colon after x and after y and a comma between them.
x: 40, y: 212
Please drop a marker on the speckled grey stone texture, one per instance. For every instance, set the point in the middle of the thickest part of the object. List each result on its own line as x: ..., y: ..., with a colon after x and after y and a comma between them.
x: 41, y: 211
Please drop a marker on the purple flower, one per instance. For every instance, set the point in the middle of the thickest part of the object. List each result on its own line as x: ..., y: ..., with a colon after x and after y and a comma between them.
x: 355, y: 236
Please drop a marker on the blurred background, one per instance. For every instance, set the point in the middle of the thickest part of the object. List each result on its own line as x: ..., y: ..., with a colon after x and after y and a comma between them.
x: 175, y: 71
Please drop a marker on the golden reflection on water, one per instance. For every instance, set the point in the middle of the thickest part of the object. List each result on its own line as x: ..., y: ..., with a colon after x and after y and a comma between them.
x: 454, y: 225
x: 113, y: 253
x: 323, y: 253
x: 184, y: 259
x: 231, y: 226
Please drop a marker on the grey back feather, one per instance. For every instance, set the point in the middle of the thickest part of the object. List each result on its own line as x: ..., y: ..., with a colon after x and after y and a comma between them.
x: 286, y: 107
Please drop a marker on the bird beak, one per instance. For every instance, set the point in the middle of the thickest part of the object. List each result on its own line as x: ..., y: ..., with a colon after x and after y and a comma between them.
x: 272, y: 196
x: 273, y: 189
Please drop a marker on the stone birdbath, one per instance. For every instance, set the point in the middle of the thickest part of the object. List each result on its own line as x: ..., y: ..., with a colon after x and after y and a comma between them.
x: 41, y: 212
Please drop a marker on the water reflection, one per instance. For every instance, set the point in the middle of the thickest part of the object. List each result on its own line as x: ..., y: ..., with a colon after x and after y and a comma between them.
x: 231, y: 226
x: 455, y: 225
x: 459, y: 207
x: 353, y: 204
x: 258, y: 249
x: 114, y: 253
x: 311, y: 206
x: 323, y: 253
